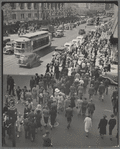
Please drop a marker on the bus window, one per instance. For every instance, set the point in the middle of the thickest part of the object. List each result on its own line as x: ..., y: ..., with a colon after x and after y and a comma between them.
x: 18, y: 45
x: 23, y: 46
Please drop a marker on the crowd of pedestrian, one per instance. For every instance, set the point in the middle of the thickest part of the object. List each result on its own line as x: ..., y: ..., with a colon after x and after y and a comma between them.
x: 68, y: 78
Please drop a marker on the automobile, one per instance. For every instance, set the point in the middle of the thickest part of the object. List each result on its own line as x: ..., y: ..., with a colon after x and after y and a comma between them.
x: 90, y: 21
x: 81, y: 32
x: 60, y: 49
x: 44, y: 29
x: 81, y: 38
x: 5, y: 40
x: 66, y: 26
x: 29, y: 60
x: 112, y: 77
x: 76, y: 42
x: 9, y: 48
x: 70, y: 46
x: 58, y: 33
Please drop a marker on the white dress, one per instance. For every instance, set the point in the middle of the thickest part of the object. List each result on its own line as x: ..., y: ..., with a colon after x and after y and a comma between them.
x: 88, y: 124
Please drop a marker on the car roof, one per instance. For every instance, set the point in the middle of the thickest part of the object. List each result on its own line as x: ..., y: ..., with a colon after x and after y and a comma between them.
x: 81, y: 36
x: 60, y: 48
x: 59, y: 30
x: 75, y: 39
x: 28, y: 54
x: 22, y: 39
x: 68, y: 43
x: 10, y: 42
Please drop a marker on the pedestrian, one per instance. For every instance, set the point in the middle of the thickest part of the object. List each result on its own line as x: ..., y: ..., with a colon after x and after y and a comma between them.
x: 69, y: 115
x: 79, y: 106
x: 36, y: 79
x: 84, y: 106
x: 18, y: 92
x: 46, y: 115
x: 67, y: 102
x: 38, y: 117
x: 53, y: 115
x: 34, y: 93
x: 26, y: 127
x: 32, y: 126
x: 102, y: 126
x: 11, y: 91
x: 91, y: 108
x: 111, y: 123
x: 96, y: 86
x: 8, y: 82
x: 47, y: 140
x: 32, y: 83
x: 26, y: 110
x: 101, y: 91
x: 19, y: 123
x: 88, y: 124
x: 91, y: 91
x: 106, y: 83
x: 72, y: 98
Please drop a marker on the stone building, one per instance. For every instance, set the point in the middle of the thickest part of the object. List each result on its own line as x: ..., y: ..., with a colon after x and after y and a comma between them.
x: 36, y: 11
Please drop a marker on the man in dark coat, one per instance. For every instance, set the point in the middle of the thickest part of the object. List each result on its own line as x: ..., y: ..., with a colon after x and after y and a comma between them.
x: 91, y: 91
x: 112, y: 123
x: 96, y: 86
x: 26, y: 128
x: 102, y: 126
x: 69, y: 115
x: 11, y: 86
x: 36, y: 79
x: 32, y: 83
x: 91, y: 108
x: 8, y: 82
x: 32, y: 126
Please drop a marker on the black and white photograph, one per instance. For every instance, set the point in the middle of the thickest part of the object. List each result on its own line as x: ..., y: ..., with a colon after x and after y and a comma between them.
x: 60, y: 74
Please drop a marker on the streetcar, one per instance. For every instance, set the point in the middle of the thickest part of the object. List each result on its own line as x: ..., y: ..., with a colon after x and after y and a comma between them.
x: 32, y: 42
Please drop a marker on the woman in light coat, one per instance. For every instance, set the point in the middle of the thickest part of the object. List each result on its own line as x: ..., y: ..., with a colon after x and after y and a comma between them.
x: 88, y: 124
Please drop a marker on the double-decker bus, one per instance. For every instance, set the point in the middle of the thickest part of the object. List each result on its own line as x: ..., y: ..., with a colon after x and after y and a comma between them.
x: 32, y: 42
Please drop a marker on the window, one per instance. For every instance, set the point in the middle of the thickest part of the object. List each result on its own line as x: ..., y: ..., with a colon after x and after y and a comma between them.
x: 22, y: 16
x: 29, y: 15
x: 13, y: 5
x: 35, y: 15
x: 13, y: 16
x: 48, y: 5
x: 35, y: 5
x: 29, y: 5
x: 21, y: 5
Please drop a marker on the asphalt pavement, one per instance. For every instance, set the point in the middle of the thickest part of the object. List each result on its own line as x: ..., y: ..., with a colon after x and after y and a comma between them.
x: 60, y: 135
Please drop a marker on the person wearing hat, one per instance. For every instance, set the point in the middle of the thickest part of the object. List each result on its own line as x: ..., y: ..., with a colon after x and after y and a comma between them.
x: 102, y: 126
x: 88, y: 124
x: 111, y: 123
x: 46, y: 139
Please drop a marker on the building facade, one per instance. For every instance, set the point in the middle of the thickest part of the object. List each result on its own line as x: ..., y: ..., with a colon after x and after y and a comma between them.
x: 36, y: 11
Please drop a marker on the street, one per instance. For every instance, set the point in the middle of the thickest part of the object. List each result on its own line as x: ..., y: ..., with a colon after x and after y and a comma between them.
x: 10, y: 65
x: 60, y: 135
